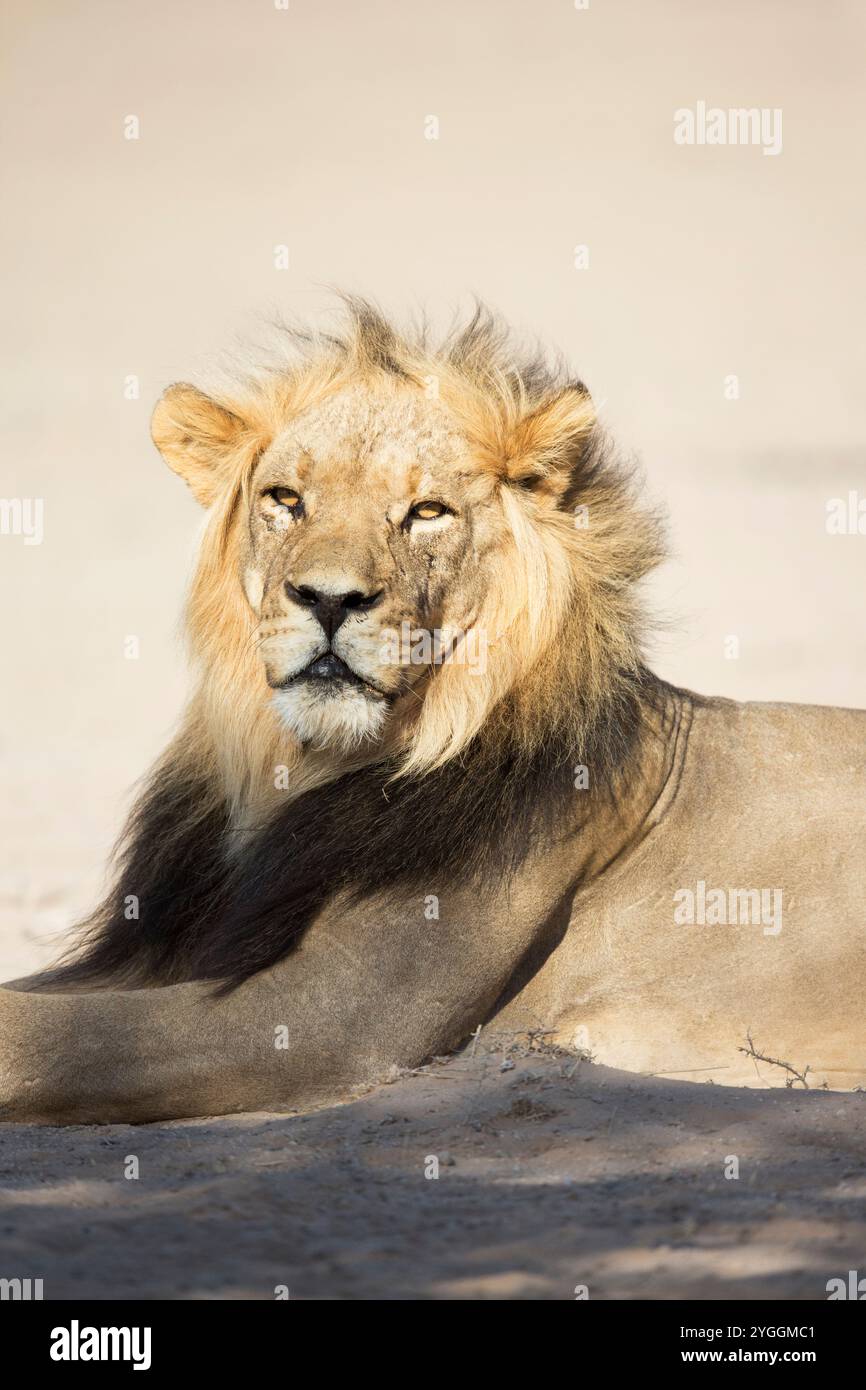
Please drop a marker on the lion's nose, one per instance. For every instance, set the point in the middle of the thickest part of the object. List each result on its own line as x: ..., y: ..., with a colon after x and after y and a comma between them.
x: 331, y: 609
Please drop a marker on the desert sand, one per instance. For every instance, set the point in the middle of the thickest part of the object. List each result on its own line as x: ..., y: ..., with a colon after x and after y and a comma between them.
x: 553, y: 1177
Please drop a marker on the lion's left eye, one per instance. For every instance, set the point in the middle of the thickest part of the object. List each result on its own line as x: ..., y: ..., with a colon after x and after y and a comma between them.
x: 286, y: 497
x: 427, y: 511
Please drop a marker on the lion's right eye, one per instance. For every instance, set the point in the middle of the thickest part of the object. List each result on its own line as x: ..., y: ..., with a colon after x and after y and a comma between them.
x: 285, y: 497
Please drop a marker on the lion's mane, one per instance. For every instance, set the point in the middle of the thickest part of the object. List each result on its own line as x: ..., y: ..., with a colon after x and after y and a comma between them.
x: 488, y: 765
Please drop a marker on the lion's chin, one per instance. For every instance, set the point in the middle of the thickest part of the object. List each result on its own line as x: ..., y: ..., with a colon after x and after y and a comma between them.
x: 342, y: 719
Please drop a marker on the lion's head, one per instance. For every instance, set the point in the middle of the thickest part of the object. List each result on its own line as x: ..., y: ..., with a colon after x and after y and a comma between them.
x: 400, y: 537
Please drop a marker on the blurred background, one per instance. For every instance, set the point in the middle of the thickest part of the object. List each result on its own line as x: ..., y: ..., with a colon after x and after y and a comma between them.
x: 416, y: 153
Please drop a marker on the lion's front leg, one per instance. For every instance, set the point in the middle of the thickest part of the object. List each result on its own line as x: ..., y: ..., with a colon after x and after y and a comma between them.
x: 135, y: 1056
x: 182, y: 1050
x: 304, y: 1033
x: 369, y: 988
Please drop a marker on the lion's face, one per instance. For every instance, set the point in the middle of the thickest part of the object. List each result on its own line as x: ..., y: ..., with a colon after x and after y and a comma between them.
x: 368, y: 530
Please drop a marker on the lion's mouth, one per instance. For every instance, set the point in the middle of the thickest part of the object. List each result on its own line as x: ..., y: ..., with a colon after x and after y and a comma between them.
x: 330, y: 673
x: 330, y: 667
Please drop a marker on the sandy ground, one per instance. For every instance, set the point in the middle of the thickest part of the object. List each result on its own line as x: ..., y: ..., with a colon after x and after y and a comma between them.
x: 552, y: 1174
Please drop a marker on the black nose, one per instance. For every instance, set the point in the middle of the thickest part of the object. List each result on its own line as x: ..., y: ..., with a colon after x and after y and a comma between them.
x: 331, y: 609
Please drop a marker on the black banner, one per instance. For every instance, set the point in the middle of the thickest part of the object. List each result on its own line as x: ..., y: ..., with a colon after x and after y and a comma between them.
x: 241, y: 1336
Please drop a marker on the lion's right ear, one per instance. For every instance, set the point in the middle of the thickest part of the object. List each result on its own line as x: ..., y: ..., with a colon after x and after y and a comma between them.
x: 198, y: 438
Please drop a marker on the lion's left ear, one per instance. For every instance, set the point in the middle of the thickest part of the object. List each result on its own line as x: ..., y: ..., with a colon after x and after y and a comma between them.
x: 547, y: 443
x: 198, y: 438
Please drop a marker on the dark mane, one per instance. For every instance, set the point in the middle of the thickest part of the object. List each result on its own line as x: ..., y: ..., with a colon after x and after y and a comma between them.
x: 207, y: 914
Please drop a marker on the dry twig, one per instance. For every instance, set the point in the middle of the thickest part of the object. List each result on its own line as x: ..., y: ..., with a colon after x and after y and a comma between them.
x: 751, y: 1051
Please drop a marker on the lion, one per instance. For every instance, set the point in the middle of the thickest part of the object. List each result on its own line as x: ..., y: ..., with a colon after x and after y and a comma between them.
x: 426, y: 782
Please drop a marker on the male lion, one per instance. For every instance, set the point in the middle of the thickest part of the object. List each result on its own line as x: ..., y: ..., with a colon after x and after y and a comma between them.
x: 426, y: 781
